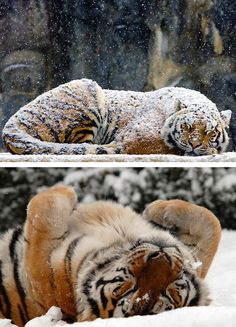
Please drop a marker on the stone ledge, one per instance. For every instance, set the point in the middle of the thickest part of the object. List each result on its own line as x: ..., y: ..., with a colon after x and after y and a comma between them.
x: 225, y: 157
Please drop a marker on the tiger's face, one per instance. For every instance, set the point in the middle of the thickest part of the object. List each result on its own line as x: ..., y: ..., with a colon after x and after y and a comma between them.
x: 146, y: 279
x: 197, y: 132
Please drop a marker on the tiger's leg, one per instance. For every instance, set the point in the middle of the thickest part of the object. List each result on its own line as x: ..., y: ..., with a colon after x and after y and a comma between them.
x: 197, y: 227
x: 46, y: 226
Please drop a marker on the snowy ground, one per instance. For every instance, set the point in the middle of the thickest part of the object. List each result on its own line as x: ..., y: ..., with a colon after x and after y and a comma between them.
x: 225, y: 157
x: 222, y: 283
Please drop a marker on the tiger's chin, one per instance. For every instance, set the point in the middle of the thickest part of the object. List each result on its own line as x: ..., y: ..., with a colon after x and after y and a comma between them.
x: 188, y: 151
x: 207, y: 152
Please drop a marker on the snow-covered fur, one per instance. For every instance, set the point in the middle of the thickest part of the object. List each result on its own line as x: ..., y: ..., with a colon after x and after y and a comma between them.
x: 80, y: 117
x: 103, y: 259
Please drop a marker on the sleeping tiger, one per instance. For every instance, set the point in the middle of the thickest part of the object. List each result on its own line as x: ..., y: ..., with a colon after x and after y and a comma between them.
x: 104, y: 260
x: 81, y: 118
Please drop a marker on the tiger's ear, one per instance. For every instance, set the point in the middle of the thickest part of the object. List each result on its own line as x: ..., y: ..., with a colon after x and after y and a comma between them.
x: 195, y: 226
x: 178, y: 105
x: 226, y: 116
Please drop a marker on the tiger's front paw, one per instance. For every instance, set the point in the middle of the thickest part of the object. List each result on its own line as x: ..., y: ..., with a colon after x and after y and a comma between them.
x: 173, y: 215
x: 49, y: 211
x: 180, y: 217
x: 64, y: 191
x: 195, y: 226
x: 213, y: 151
x: 114, y: 148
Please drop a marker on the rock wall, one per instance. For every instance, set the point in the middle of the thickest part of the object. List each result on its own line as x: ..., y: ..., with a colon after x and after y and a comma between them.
x: 122, y: 44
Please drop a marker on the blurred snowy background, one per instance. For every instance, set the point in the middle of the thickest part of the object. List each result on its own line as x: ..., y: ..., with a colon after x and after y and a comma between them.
x: 214, y: 188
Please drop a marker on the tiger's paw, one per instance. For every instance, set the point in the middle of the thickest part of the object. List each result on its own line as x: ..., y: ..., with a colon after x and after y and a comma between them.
x: 186, y: 220
x: 114, y: 148
x: 195, y: 226
x: 49, y: 211
x: 64, y: 191
x: 172, y: 215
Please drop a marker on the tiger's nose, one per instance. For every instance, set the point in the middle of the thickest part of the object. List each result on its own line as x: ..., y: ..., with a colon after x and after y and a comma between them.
x: 194, y: 144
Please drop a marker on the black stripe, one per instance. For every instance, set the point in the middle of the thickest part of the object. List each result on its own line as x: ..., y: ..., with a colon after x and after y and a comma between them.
x: 44, y: 120
x: 87, y: 284
x: 112, y: 135
x: 217, y: 139
x: 195, y: 300
x: 80, y: 150
x: 107, y: 135
x: 72, y: 94
x: 169, y: 298
x: 158, y: 225
x: 188, y: 293
x: 223, y: 137
x: 15, y: 237
x: 14, y: 258
x: 3, y: 292
x: 117, y: 151
x: 70, y: 252
x: 22, y: 315
x: 30, y: 128
x: 84, y: 131
x: 103, y: 282
x: 92, y: 89
x: 26, y: 240
x: 173, y: 230
x: 81, y: 131
x: 101, y: 150
x: 79, y: 140
x: 89, y: 123
x: 62, y: 237
x: 171, y: 141
x: 92, y: 274
x: 63, y: 106
x: 1, y: 306
x: 79, y: 98
x: 94, y: 307
x: 142, y: 242
x: 96, y: 115
x: 103, y: 298
x: 110, y: 313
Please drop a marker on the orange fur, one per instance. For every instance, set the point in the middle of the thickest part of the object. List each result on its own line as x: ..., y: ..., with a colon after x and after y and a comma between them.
x: 47, y: 222
x: 55, y: 221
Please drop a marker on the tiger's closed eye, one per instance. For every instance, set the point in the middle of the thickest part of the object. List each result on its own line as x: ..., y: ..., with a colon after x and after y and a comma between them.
x: 213, y: 136
x: 185, y: 126
x: 122, y: 289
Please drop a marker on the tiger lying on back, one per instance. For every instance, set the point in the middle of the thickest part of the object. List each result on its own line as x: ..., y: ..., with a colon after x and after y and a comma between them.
x: 104, y: 260
x: 81, y: 118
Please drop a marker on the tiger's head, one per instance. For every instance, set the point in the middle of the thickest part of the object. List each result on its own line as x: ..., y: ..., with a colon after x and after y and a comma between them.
x: 197, y: 130
x: 149, y: 277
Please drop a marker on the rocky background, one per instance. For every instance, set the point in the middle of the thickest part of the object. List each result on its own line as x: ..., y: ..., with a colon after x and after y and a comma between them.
x: 122, y: 44
x: 214, y: 188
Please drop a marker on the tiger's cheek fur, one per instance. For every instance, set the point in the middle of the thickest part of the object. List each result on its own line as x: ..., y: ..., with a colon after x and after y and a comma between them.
x: 178, y: 137
x: 146, y: 287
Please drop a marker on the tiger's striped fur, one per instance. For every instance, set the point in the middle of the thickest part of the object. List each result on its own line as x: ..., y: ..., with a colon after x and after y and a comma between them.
x: 103, y: 259
x: 81, y: 118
